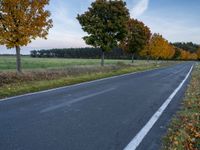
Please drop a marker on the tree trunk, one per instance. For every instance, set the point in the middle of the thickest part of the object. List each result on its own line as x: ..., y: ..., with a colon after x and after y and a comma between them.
x: 102, y: 58
x: 18, y: 60
x: 148, y: 58
x: 132, y: 57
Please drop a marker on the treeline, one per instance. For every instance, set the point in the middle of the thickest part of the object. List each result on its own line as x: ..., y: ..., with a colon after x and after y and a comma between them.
x: 187, y: 46
x: 157, y: 48
x: 132, y: 37
x: 187, y: 50
x: 88, y: 53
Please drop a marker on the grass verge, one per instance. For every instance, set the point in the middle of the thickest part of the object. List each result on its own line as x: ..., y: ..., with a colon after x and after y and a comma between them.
x: 32, y: 82
x: 184, y: 131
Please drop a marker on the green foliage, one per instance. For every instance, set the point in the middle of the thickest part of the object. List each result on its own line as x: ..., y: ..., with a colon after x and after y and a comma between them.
x: 189, y: 46
x: 105, y: 23
x: 177, y: 54
x: 87, y: 53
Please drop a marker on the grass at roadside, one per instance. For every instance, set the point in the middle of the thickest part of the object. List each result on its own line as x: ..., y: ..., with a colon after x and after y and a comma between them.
x: 11, y: 84
x: 184, y: 131
x: 8, y: 63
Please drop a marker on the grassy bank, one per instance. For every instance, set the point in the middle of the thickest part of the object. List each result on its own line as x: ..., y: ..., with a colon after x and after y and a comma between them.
x: 31, y: 81
x: 184, y: 131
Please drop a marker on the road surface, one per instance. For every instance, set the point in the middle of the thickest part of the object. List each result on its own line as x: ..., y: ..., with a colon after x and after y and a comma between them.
x: 101, y: 115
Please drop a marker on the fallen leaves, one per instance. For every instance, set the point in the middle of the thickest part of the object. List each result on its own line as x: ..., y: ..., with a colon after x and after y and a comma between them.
x: 184, y: 132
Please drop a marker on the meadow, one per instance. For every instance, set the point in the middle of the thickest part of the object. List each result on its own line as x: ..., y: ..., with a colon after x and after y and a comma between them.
x: 46, y: 73
x: 8, y: 63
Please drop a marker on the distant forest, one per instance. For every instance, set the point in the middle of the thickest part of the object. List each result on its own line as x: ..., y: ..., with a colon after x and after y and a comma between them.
x: 189, y: 46
x: 95, y: 53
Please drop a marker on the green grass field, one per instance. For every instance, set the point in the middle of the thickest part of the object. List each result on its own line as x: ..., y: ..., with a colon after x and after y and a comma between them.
x: 8, y: 63
x: 46, y: 73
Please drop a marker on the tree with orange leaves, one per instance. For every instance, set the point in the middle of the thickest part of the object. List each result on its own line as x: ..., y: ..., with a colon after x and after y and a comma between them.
x: 193, y: 56
x: 137, y: 38
x: 158, y: 48
x: 185, y: 55
x: 22, y: 21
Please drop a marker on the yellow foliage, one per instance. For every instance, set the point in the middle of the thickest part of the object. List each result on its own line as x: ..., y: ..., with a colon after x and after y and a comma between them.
x: 158, y: 48
x: 185, y: 55
x: 23, y: 20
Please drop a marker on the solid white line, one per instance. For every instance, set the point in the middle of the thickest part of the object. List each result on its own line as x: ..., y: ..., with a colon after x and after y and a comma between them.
x: 143, y: 132
x: 74, y: 85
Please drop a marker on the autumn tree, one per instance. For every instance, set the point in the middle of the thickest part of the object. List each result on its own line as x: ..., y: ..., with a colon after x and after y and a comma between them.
x: 105, y: 23
x: 168, y: 51
x: 137, y: 38
x: 22, y: 21
x: 185, y: 55
x: 193, y: 56
x: 145, y: 52
x: 159, y: 48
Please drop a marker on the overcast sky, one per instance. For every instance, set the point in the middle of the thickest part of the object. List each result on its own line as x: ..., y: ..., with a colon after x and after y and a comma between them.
x: 176, y: 20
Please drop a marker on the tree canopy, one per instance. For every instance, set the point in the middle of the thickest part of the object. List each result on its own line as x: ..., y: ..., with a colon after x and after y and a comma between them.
x: 137, y: 38
x: 158, y: 48
x: 105, y: 23
x: 22, y: 21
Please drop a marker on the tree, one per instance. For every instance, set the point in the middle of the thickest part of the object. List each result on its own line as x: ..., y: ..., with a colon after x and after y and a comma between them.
x: 168, y: 51
x: 185, y: 55
x: 159, y: 48
x: 193, y: 56
x: 137, y: 38
x: 105, y: 23
x: 22, y: 21
x: 177, y: 53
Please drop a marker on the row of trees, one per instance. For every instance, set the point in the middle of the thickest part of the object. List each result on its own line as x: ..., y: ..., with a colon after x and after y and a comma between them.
x: 154, y: 50
x: 187, y: 46
x: 107, y: 23
x: 158, y: 48
x: 91, y: 53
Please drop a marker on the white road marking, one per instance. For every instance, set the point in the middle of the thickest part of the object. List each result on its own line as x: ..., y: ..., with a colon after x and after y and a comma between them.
x: 143, y: 132
x: 75, y: 100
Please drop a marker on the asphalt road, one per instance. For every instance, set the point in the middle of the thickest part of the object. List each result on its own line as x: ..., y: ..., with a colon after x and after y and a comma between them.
x: 101, y: 115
